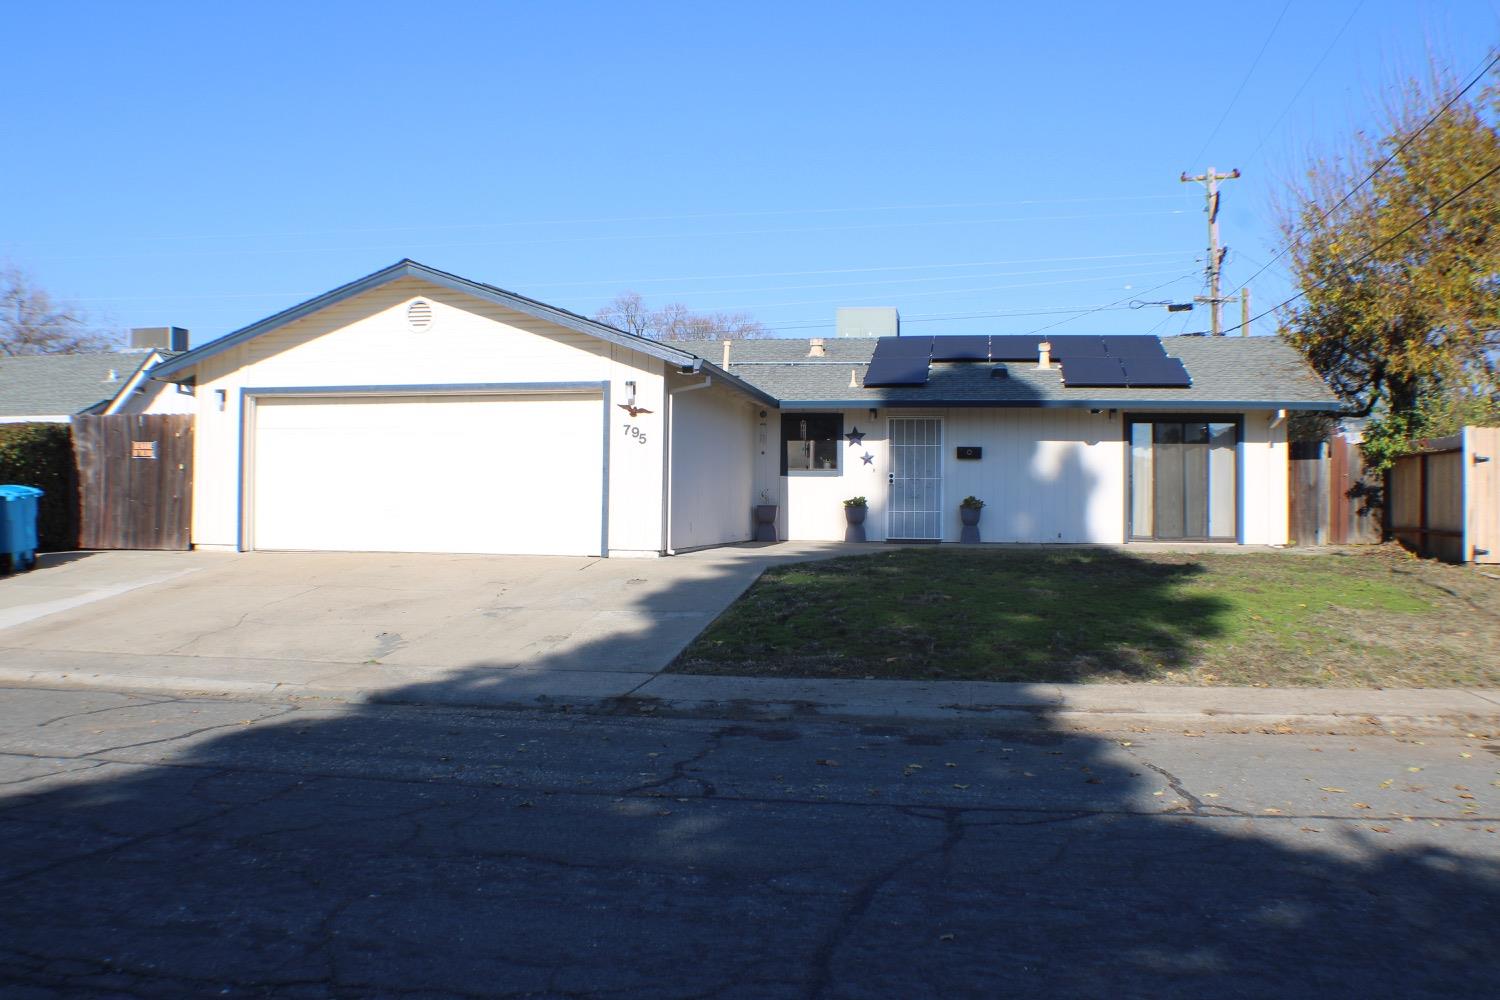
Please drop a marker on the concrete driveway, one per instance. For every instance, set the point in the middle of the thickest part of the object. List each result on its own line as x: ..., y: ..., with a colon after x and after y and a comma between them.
x: 409, y: 627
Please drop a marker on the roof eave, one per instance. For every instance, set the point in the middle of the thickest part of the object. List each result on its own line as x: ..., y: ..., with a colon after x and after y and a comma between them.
x: 412, y: 269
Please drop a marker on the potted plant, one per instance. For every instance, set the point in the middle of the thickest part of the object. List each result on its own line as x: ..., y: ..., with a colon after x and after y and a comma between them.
x: 855, y: 509
x: 765, y: 518
x: 968, y: 513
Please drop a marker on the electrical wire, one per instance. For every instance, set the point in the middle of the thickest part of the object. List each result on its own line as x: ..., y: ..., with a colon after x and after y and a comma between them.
x: 1312, y: 73
x: 1241, y: 89
x: 1323, y: 216
x: 1424, y: 217
x: 1133, y: 295
x: 648, y: 218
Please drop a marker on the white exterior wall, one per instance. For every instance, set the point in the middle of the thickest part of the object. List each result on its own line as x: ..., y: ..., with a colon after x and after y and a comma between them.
x: 1046, y: 475
x: 158, y: 397
x: 713, y: 462
x: 1265, y: 479
x: 365, y: 341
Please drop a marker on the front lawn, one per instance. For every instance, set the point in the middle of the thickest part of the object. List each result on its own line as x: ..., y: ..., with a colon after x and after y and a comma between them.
x: 1354, y: 618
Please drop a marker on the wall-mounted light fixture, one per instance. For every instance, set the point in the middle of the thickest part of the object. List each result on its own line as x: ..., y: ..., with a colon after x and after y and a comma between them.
x: 872, y: 413
x: 222, y: 396
x: 630, y: 386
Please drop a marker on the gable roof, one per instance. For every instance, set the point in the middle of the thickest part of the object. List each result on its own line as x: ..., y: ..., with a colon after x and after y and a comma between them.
x: 408, y: 268
x: 61, y: 385
x: 1226, y: 372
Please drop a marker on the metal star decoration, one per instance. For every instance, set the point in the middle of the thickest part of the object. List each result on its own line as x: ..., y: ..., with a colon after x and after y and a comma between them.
x: 855, y: 436
x: 868, y: 458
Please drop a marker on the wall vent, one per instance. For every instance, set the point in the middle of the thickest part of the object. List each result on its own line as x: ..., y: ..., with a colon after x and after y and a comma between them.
x: 419, y: 315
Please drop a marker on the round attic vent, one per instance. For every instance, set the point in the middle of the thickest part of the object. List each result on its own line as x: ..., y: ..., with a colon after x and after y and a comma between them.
x: 419, y: 315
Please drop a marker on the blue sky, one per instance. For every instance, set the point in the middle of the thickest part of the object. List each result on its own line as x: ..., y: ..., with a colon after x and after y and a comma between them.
x: 984, y: 167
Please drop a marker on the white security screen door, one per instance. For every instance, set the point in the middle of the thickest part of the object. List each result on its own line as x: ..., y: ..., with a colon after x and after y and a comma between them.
x: 915, y: 507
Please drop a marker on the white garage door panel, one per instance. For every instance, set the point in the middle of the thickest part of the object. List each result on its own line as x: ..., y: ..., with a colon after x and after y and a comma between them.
x: 494, y: 474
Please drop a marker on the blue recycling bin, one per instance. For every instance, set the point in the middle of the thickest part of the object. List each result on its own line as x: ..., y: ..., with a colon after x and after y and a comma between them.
x: 18, y: 512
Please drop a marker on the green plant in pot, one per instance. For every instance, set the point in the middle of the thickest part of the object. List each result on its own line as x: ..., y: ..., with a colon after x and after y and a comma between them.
x: 968, y: 512
x: 855, y: 509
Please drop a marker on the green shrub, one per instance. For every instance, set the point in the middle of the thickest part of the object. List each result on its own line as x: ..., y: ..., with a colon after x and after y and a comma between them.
x: 41, y: 455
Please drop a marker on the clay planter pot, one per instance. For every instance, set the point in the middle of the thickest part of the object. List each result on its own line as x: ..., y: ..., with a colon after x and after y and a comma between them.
x: 970, y: 518
x: 854, y: 518
x: 765, y: 522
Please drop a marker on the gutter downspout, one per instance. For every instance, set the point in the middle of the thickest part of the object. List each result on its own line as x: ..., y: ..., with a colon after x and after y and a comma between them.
x: 666, y: 460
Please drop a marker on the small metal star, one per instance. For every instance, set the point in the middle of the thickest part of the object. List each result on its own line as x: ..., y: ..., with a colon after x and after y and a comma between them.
x: 855, y: 436
x: 868, y: 458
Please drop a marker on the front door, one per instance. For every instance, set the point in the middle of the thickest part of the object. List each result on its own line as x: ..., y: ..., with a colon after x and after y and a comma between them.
x: 914, y: 511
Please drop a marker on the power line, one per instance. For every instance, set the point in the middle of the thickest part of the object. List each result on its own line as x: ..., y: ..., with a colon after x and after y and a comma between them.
x: 1323, y: 216
x: 1314, y: 72
x: 1132, y: 295
x: 400, y: 248
x: 1241, y: 89
x: 644, y: 218
x: 1424, y: 217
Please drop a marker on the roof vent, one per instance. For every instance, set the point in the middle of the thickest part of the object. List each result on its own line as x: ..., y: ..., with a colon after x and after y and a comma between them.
x: 816, y: 349
x: 419, y: 315
x: 112, y: 376
x: 999, y: 371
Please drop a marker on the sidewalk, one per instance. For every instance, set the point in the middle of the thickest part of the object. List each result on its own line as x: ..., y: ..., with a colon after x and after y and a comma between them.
x: 1098, y: 707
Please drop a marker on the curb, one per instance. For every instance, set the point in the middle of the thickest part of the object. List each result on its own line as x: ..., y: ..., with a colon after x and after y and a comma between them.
x: 1035, y: 716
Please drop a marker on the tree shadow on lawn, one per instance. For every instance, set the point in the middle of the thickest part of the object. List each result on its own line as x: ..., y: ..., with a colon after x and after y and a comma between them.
x: 1017, y: 614
x: 297, y: 851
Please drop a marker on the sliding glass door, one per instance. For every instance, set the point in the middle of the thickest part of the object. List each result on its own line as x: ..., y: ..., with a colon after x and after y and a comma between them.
x: 1184, y: 479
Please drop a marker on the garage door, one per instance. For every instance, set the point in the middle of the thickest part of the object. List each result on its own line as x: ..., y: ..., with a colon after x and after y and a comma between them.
x: 505, y: 474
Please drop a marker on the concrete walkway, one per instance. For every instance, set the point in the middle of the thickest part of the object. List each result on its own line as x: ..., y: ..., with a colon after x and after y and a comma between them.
x: 564, y: 634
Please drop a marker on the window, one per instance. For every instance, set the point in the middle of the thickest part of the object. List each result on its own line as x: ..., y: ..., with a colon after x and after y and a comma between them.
x: 810, y: 442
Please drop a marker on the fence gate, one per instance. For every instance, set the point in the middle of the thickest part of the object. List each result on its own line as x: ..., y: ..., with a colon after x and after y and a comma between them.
x: 135, y: 480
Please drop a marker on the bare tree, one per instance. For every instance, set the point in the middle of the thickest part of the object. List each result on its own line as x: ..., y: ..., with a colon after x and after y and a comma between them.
x: 31, y: 322
x: 675, y: 321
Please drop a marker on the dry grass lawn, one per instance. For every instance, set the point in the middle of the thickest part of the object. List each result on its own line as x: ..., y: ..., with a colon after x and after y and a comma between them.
x: 1372, y: 617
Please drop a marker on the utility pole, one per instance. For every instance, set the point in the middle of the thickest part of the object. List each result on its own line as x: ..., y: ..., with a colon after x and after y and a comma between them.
x: 1210, y: 181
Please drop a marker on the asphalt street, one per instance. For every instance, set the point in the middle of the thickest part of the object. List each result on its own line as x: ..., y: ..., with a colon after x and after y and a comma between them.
x: 159, y: 846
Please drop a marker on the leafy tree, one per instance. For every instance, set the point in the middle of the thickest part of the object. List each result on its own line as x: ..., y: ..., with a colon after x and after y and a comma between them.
x: 629, y: 312
x: 31, y: 322
x: 1401, y: 278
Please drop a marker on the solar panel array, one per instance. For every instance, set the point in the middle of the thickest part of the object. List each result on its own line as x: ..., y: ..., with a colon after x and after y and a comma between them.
x: 1134, y: 362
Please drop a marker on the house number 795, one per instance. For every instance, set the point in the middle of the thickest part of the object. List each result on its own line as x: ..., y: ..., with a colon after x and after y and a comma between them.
x: 631, y: 430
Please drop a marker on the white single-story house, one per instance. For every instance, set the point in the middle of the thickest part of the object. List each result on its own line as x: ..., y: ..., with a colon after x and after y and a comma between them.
x: 54, y: 388
x: 417, y: 411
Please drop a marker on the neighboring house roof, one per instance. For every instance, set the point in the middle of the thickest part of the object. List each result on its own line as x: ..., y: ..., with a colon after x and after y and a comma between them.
x: 1225, y: 372
x: 61, y: 385
x: 683, y: 359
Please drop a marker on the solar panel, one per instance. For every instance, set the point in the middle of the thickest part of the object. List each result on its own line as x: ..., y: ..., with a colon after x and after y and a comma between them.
x: 1135, y: 347
x: 965, y: 348
x: 1093, y: 372
x: 905, y: 347
x: 897, y: 371
x: 1077, y: 347
x: 1161, y: 372
x: 1014, y: 347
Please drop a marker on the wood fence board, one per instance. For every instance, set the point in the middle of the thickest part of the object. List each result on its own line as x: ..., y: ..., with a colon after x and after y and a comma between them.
x: 135, y: 474
x: 1482, y: 457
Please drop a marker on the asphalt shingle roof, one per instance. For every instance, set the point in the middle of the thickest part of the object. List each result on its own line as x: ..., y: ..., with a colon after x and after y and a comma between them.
x: 48, y: 385
x: 1225, y: 371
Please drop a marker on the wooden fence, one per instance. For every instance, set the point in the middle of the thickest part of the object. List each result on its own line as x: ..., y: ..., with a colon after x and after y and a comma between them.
x: 1332, y: 501
x: 1445, y: 499
x: 135, y: 480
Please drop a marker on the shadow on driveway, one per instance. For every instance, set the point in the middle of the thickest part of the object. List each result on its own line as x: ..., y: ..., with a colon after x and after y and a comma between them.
x: 168, y: 847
